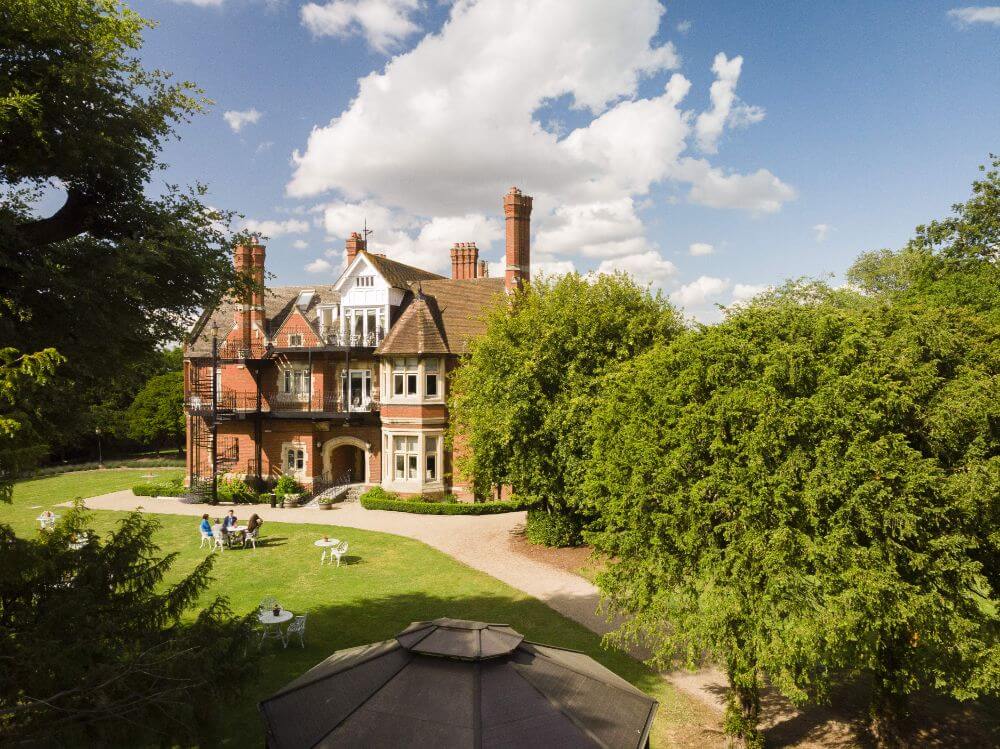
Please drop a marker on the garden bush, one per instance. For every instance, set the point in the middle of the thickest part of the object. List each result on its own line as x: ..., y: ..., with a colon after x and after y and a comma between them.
x: 171, y: 488
x: 55, y: 470
x: 379, y: 499
x: 287, y: 485
x: 551, y: 529
x: 237, y: 491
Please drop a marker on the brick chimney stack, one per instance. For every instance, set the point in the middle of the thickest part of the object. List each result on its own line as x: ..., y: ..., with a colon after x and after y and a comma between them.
x: 517, y: 212
x: 484, y: 269
x: 249, y: 261
x: 355, y: 244
x: 464, y: 260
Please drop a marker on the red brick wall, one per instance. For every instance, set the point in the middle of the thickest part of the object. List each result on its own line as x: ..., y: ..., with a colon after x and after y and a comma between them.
x: 296, y: 323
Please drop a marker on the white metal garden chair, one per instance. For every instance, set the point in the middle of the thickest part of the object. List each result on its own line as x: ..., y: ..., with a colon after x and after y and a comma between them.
x: 339, y: 551
x: 206, y: 538
x: 297, y: 626
x: 218, y: 542
x: 250, y: 537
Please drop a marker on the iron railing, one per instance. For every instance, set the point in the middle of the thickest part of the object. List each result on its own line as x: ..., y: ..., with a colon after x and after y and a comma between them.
x: 358, y: 340
x: 228, y: 401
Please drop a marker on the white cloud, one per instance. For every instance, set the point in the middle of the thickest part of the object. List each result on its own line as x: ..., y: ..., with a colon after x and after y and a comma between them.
x: 822, y: 231
x: 593, y: 229
x: 726, y: 109
x: 319, y: 265
x: 237, y: 119
x: 270, y: 228
x: 459, y: 116
x: 700, y: 291
x: 264, y: 146
x: 745, y: 291
x: 685, y: 26
x: 547, y: 267
x: 965, y: 17
x: 760, y: 192
x: 383, y: 23
x: 649, y: 267
x: 201, y: 3
x: 300, y: 244
x: 698, y: 249
x: 423, y: 244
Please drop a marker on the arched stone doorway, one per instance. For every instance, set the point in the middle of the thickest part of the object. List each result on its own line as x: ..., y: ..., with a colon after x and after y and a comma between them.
x: 342, y: 454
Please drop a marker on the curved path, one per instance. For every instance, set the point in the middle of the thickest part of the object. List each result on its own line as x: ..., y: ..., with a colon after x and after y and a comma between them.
x: 480, y: 541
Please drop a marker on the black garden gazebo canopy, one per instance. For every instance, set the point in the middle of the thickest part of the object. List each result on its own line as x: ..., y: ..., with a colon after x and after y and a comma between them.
x: 456, y: 683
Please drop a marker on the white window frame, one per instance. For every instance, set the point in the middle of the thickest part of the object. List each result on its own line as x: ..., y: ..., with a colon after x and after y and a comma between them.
x: 299, y: 454
x: 405, y: 372
x: 420, y: 451
x: 295, y: 381
x: 433, y: 375
x: 295, y: 340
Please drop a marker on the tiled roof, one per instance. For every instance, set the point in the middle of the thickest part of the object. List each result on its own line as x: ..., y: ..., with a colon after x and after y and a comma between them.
x: 278, y: 304
x: 417, y: 331
x: 398, y: 274
x: 460, y: 306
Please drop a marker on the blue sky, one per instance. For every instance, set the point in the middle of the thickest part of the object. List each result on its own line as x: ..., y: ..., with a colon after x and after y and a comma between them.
x: 832, y: 128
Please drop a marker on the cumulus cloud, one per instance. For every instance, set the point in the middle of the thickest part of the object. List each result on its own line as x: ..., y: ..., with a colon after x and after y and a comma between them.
x: 760, y: 192
x: 459, y: 116
x: 270, y: 228
x: 300, y: 244
x: 200, y: 3
x: 697, y: 249
x: 700, y: 291
x: 319, y: 265
x: 648, y: 267
x: 238, y: 119
x: 425, y: 244
x: 743, y: 292
x: 684, y: 26
x: 822, y: 231
x: 726, y: 108
x: 985, y: 14
x: 383, y: 23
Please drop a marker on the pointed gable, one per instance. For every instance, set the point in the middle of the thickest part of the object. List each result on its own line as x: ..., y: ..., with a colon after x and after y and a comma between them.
x: 417, y: 331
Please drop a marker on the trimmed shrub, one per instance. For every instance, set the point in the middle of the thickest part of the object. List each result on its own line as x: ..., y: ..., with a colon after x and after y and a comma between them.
x: 171, y: 488
x: 551, y: 529
x: 379, y: 499
x: 55, y: 470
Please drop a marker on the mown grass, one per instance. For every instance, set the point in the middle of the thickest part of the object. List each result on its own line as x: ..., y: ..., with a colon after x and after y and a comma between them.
x: 385, y: 583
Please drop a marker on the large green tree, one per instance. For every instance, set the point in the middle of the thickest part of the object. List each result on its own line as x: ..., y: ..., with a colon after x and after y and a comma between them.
x: 521, y: 400
x: 157, y: 413
x: 99, y: 650
x: 801, y: 490
x: 124, y: 262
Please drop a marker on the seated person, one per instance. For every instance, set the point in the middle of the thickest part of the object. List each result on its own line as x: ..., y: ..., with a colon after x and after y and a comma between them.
x: 253, y: 523
x: 229, y: 521
x: 206, y: 526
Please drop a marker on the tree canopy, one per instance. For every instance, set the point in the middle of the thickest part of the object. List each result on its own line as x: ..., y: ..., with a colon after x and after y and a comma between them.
x: 125, y: 263
x: 157, y: 413
x: 99, y: 650
x: 812, y: 487
x: 521, y: 400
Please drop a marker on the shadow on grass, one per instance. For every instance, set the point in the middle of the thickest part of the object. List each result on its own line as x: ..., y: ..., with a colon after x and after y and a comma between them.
x: 935, y: 721
x: 371, y: 619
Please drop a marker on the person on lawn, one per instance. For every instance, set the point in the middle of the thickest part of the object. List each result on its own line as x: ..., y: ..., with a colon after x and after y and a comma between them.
x: 229, y: 521
x: 206, y: 526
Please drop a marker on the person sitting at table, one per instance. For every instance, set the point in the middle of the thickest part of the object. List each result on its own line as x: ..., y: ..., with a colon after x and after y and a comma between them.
x: 48, y: 520
x: 229, y: 521
x: 253, y: 523
x: 206, y: 526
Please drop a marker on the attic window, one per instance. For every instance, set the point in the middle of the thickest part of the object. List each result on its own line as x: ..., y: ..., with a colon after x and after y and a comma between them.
x: 305, y: 296
x: 295, y: 339
x: 365, y: 281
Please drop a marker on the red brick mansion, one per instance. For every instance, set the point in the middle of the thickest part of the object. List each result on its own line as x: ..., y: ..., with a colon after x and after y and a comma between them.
x: 342, y: 383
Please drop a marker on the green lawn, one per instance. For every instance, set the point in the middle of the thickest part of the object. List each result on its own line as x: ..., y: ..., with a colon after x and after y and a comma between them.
x: 386, y: 583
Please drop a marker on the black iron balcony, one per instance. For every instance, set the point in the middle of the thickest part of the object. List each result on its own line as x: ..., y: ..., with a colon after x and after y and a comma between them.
x: 354, y: 340
x: 236, y: 401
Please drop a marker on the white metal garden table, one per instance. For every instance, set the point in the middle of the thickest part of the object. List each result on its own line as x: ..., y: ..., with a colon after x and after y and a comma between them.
x: 272, y: 622
x: 325, y: 544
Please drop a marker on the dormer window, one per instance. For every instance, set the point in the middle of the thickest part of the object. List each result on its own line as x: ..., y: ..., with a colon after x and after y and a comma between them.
x: 295, y: 339
x: 364, y: 281
x: 304, y: 298
x: 328, y: 316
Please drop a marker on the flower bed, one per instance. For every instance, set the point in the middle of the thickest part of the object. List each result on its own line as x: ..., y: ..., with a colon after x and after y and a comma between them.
x: 172, y: 488
x: 379, y: 499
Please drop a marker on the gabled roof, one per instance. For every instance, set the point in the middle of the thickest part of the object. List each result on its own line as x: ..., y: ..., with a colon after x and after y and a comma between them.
x: 417, y: 331
x: 398, y: 274
x: 279, y: 301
